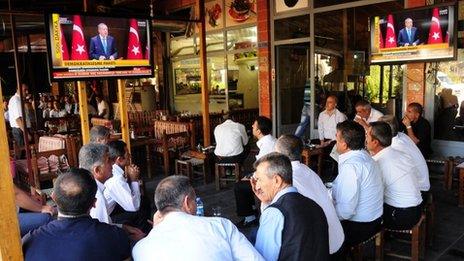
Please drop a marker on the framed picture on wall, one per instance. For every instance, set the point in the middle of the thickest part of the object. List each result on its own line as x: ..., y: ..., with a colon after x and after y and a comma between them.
x: 290, y: 5
x: 240, y: 12
x: 214, y: 15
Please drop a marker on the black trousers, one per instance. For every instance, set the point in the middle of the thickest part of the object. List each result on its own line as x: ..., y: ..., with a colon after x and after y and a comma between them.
x: 401, y: 218
x: 18, y: 136
x: 136, y: 219
x: 357, y: 232
x: 232, y: 159
x: 244, y: 198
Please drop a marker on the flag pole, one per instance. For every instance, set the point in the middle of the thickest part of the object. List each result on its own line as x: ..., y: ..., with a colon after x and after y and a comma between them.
x: 83, y: 108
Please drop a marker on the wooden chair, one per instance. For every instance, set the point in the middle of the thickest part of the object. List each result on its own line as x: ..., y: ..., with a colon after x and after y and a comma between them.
x: 357, y: 251
x: 429, y: 211
x: 220, y: 173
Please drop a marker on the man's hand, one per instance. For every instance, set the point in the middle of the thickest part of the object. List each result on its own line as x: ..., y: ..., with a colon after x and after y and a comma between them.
x: 133, y: 172
x: 361, y: 121
x: 406, y: 44
x: 258, y: 192
x: 134, y: 233
x: 48, y: 209
x: 406, y: 121
x: 111, y: 57
x: 101, y: 57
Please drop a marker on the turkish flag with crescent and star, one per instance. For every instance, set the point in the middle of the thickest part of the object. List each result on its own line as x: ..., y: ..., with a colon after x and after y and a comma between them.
x: 435, y: 35
x: 390, y: 39
x: 64, y: 46
x: 134, y: 49
x: 79, y: 49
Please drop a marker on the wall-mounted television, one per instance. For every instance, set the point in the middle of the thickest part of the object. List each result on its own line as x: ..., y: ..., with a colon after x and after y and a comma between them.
x: 82, y: 46
x: 412, y: 35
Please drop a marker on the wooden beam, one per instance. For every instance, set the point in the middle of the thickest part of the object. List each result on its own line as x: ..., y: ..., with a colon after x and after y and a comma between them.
x: 122, y: 106
x: 200, y: 8
x: 10, y: 241
x: 83, y: 111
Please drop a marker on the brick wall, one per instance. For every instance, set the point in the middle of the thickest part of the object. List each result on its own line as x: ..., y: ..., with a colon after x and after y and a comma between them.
x: 265, y: 90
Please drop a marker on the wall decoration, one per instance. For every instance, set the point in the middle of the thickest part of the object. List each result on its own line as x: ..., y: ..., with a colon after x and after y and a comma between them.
x: 290, y: 5
x: 240, y: 12
x: 214, y: 15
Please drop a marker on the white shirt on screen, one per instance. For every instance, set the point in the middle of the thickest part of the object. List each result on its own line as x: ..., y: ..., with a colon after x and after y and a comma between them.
x: 403, y: 143
x: 266, y: 145
x: 401, y: 189
x: 181, y: 236
x: 358, y: 190
x: 102, y: 106
x: 118, y: 191
x: 308, y: 184
x: 230, y: 138
x: 14, y: 110
x: 327, y: 124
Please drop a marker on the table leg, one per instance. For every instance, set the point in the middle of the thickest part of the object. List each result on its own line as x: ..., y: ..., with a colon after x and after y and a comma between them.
x: 148, y: 161
x: 461, y: 188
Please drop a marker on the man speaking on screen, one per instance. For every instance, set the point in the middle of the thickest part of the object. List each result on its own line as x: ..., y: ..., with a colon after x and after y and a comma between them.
x: 103, y: 46
x: 408, y: 36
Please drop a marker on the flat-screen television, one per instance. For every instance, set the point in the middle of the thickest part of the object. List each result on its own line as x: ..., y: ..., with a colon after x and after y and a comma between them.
x: 420, y: 34
x: 82, y: 46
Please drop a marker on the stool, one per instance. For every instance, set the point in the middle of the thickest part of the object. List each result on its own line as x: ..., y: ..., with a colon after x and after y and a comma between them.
x: 187, y: 168
x: 220, y: 173
x: 357, y: 250
x: 429, y: 211
x: 417, y: 240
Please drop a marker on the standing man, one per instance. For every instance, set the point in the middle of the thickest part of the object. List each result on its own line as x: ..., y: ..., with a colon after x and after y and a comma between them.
x: 231, y: 139
x: 103, y: 46
x: 365, y: 114
x: 402, y: 208
x: 358, y: 190
x: 103, y: 108
x: 328, y: 120
x: 292, y: 226
x: 16, y: 119
x: 408, y: 36
x: 418, y: 128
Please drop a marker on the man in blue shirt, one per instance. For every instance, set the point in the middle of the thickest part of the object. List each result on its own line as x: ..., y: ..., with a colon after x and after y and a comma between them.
x: 292, y: 226
x: 75, y: 235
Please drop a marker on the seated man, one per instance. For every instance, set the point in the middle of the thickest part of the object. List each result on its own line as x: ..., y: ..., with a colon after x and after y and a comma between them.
x: 122, y: 190
x: 328, y: 119
x: 292, y: 226
x: 358, y: 190
x: 310, y: 185
x: 418, y: 128
x: 99, y: 134
x: 403, y: 143
x: 180, y: 235
x: 402, y: 196
x: 365, y: 114
x: 39, y: 214
x: 231, y: 138
x: 95, y: 158
x: 244, y: 197
x: 75, y: 235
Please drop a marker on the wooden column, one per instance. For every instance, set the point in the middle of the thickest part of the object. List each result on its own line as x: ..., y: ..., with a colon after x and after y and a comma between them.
x: 10, y: 241
x: 200, y: 7
x: 123, y: 112
x: 83, y: 112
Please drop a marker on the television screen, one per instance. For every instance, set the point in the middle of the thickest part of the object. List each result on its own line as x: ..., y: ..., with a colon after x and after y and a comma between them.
x: 85, y: 46
x: 424, y: 34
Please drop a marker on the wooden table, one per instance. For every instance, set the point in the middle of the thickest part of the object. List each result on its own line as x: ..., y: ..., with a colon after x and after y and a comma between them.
x: 306, y: 155
x: 208, y: 163
x: 460, y: 167
x: 147, y: 143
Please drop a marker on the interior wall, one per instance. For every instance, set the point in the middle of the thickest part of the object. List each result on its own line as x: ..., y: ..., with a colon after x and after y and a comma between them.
x: 248, y: 85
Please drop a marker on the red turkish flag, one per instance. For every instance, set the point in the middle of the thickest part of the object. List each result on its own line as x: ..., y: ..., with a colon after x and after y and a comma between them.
x: 134, y: 49
x: 381, y: 44
x: 79, y: 49
x: 64, y: 46
x: 435, y: 35
x: 390, y: 40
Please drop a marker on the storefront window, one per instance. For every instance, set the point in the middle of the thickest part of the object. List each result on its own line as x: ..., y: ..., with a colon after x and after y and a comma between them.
x: 244, y: 38
x: 291, y: 28
x: 182, y: 46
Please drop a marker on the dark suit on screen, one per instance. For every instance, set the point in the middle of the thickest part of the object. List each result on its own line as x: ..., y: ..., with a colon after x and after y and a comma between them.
x: 403, y: 37
x: 97, y: 50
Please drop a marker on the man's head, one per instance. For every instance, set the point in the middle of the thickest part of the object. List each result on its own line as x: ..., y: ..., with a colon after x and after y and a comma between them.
x: 24, y: 87
x: 99, y: 134
x: 98, y: 98
x: 273, y: 174
x: 175, y: 193
x: 363, y: 109
x: 350, y: 136
x: 262, y: 127
x: 392, y: 121
x: 331, y: 103
x: 290, y: 146
x: 408, y: 22
x: 102, y: 30
x: 95, y: 158
x: 414, y: 111
x: 378, y: 136
x: 119, y: 153
x: 74, y: 192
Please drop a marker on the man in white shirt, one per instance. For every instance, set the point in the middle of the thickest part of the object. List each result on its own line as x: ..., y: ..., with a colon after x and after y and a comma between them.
x: 310, y: 185
x: 328, y: 119
x: 16, y: 119
x: 200, y: 238
x: 244, y: 197
x: 402, y: 196
x: 231, y: 139
x: 358, y: 190
x: 95, y: 158
x: 103, y: 108
x: 365, y: 114
x: 403, y: 143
